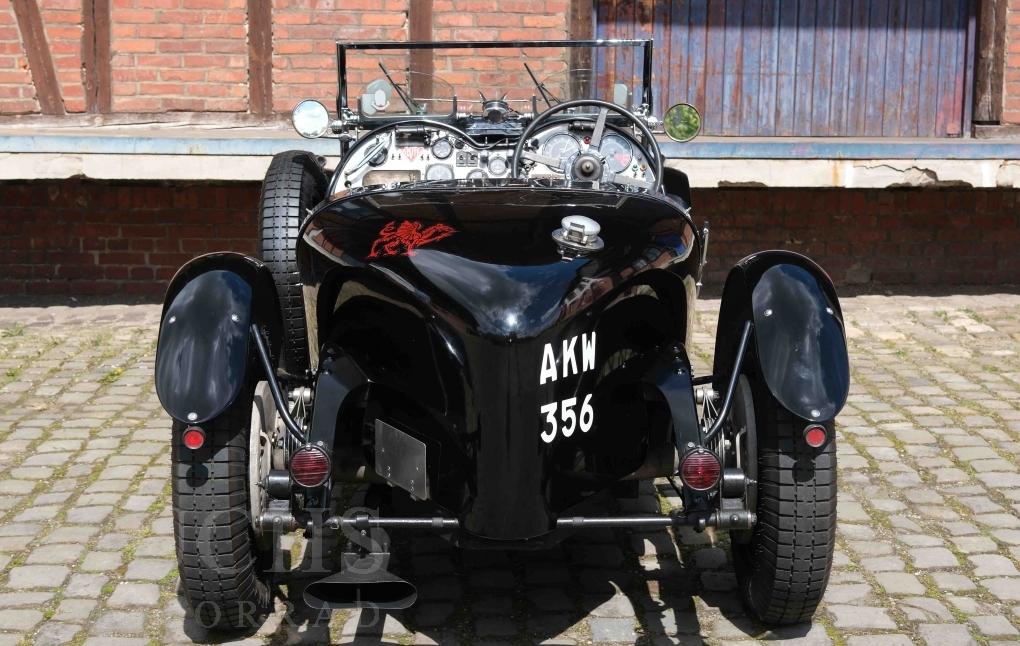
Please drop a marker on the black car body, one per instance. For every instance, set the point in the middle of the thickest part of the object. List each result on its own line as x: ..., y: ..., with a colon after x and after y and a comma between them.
x: 470, y: 311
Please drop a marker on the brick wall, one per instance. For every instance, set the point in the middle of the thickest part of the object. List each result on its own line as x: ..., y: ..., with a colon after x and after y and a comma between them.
x: 871, y: 236
x: 1011, y: 71
x: 17, y: 96
x: 466, y: 70
x: 192, y: 55
x: 82, y: 237
x: 179, y: 55
x: 62, y: 23
x: 304, y: 50
x: 79, y: 237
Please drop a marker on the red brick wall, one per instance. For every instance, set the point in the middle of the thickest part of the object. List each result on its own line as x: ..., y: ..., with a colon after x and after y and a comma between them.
x: 1011, y: 72
x: 80, y: 237
x: 62, y: 23
x: 871, y: 236
x: 17, y: 96
x: 192, y: 55
x: 84, y: 237
x: 467, y: 71
x: 304, y: 50
x: 179, y: 55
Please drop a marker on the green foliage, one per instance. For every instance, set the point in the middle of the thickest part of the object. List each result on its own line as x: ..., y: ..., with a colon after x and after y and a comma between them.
x: 112, y: 376
x: 18, y: 329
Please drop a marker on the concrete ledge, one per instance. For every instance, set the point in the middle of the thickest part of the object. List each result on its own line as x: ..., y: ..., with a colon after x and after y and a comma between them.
x: 131, y: 153
x: 862, y: 173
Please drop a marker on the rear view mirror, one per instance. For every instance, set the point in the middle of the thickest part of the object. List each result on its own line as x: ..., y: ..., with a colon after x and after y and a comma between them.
x: 682, y: 122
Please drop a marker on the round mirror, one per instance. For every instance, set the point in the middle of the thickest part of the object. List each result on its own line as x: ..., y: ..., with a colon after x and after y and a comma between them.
x: 310, y: 119
x: 682, y: 122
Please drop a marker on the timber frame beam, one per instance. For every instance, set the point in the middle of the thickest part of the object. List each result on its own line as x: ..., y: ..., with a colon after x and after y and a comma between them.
x: 40, y: 63
x: 260, y: 57
x: 97, y: 72
x: 419, y: 27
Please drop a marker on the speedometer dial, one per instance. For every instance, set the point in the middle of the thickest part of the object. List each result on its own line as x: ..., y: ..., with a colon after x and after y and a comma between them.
x: 438, y: 171
x: 561, y: 147
x: 617, y: 151
x: 442, y: 148
x: 497, y: 165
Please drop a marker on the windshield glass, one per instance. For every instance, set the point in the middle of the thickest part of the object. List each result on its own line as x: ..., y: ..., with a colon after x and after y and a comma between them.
x: 437, y: 79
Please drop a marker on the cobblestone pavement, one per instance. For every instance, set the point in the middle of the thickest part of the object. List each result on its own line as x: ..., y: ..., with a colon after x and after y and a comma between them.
x: 929, y: 509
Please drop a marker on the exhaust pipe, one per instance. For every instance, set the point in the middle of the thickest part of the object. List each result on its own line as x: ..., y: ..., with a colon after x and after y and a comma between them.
x: 362, y: 582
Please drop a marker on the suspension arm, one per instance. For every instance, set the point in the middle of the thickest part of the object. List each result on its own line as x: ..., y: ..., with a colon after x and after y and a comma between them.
x: 274, y: 386
x: 738, y: 363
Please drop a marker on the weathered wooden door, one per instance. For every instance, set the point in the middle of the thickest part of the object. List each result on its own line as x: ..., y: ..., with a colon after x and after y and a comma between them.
x: 823, y: 68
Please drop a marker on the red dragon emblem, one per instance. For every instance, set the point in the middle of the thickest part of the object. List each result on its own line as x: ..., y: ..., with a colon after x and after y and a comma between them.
x: 401, y: 239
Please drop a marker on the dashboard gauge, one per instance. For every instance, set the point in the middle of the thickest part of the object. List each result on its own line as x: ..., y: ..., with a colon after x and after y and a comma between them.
x: 497, y: 165
x: 438, y: 171
x: 477, y: 174
x: 561, y: 147
x: 617, y: 151
x: 442, y: 148
x: 379, y: 158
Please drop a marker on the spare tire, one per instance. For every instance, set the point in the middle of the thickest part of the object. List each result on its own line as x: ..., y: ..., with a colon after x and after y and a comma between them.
x: 294, y: 183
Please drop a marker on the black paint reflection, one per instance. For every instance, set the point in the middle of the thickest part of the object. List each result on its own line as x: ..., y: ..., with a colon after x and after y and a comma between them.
x: 203, y: 346
x: 801, y: 343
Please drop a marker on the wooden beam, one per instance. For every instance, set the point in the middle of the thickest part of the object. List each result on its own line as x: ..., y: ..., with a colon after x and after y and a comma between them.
x: 419, y: 27
x: 991, y: 54
x: 260, y: 57
x: 582, y: 27
x: 95, y: 56
x: 40, y: 63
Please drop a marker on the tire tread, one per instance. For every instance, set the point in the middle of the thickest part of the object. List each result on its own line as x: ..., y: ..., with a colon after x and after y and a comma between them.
x: 784, y: 570
x: 293, y: 183
x: 216, y: 557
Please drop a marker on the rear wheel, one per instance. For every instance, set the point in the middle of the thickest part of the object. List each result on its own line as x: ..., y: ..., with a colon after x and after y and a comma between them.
x: 294, y: 183
x: 783, y: 564
x: 221, y: 567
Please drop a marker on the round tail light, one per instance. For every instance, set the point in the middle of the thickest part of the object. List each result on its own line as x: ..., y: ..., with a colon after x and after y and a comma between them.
x: 193, y: 437
x: 700, y: 470
x: 309, y: 466
x: 815, y: 435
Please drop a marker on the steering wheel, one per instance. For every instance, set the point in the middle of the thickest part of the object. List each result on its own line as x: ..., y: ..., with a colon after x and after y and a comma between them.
x: 589, y: 165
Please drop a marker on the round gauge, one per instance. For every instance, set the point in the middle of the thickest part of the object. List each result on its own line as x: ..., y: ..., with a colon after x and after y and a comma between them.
x: 561, y: 147
x: 442, y: 148
x: 497, y: 165
x: 438, y: 171
x: 617, y: 151
x: 477, y: 174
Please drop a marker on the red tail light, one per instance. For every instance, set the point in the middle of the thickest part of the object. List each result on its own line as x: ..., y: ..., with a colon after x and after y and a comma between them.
x: 309, y: 466
x: 193, y: 437
x: 815, y: 435
x: 700, y: 470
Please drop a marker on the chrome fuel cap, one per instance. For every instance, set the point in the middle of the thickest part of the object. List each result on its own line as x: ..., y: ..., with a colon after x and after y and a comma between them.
x: 578, y: 234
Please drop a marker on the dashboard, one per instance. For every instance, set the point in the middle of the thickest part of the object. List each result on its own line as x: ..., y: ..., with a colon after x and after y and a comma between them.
x: 552, y: 152
x: 432, y: 151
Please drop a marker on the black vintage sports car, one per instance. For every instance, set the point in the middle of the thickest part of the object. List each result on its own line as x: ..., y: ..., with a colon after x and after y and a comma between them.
x: 486, y: 309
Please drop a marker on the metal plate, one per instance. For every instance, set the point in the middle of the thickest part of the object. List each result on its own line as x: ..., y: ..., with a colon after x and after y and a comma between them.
x: 202, y: 353
x: 801, y: 344
x: 400, y: 459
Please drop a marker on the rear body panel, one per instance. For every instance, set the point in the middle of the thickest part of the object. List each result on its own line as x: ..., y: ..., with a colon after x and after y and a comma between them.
x: 482, y: 341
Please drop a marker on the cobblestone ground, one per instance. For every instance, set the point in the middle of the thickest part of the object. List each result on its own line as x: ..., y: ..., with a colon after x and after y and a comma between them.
x: 929, y: 509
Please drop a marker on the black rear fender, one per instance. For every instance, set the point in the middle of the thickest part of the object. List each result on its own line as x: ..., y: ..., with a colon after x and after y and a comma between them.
x: 798, y: 331
x: 203, y: 347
